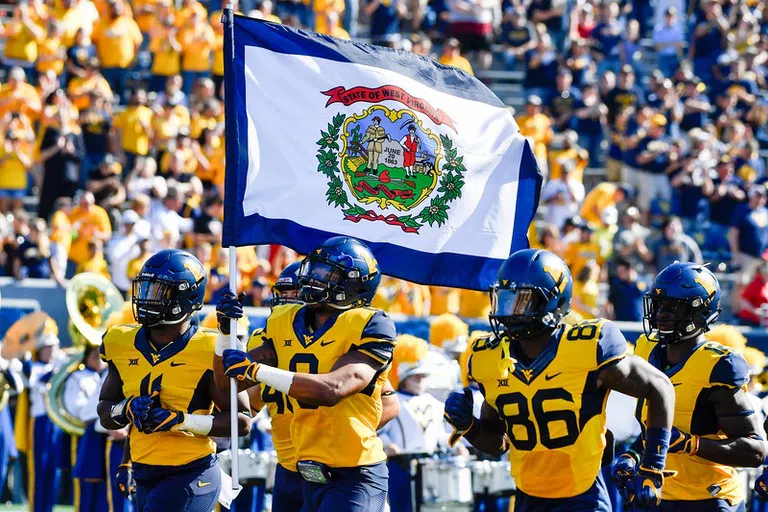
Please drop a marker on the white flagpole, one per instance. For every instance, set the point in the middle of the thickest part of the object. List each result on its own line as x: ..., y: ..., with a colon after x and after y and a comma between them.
x: 233, y: 382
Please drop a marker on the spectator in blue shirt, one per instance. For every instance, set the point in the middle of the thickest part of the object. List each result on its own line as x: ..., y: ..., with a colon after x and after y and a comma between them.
x: 34, y: 253
x: 606, y: 38
x: 748, y: 235
x: 385, y: 20
x: 562, y: 102
x: 625, y: 295
x: 590, y: 118
x: 518, y: 35
x: 668, y: 40
x: 707, y: 43
x: 652, y: 159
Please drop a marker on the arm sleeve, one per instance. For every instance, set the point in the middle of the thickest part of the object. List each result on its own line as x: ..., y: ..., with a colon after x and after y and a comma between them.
x: 612, y: 346
x: 378, y: 338
x: 730, y: 371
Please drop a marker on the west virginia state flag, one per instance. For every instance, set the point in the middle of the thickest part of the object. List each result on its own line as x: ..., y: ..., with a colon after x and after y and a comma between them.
x: 419, y: 160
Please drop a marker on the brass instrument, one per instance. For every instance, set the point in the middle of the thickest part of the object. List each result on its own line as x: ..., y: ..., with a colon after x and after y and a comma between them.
x: 24, y: 333
x: 91, y: 299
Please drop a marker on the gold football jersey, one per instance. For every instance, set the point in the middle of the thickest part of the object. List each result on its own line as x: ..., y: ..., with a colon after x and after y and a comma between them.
x: 343, y: 435
x: 183, y: 370
x: 553, y: 410
x: 280, y: 408
x: 708, y: 367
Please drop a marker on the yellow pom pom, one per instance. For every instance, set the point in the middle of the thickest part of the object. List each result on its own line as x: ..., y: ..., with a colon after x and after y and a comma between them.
x: 756, y: 360
x: 445, y: 328
x: 409, y: 349
x: 728, y: 336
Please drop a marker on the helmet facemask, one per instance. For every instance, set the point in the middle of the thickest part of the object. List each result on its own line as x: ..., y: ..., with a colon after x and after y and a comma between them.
x: 157, y: 301
x: 673, y: 320
x: 519, y: 312
x: 322, y: 281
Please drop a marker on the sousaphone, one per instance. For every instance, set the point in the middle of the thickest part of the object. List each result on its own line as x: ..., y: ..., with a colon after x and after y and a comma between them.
x: 91, y: 299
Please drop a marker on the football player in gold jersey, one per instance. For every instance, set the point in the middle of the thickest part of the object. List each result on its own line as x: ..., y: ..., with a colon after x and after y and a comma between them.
x: 331, y: 356
x: 161, y: 381
x: 286, y: 490
x: 545, y: 386
x: 715, y: 428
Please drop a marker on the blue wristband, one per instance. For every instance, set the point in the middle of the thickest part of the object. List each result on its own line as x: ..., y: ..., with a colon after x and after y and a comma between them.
x: 656, y: 446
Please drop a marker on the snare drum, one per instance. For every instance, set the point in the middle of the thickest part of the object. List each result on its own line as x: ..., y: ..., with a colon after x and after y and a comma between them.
x: 255, y: 467
x: 445, y: 483
x: 492, y: 478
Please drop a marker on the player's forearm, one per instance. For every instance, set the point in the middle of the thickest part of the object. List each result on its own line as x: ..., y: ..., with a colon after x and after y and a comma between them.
x: 104, y: 410
x: 221, y: 425
x: 390, y: 408
x: 486, y: 439
x: 741, y: 452
x: 325, y: 390
x: 661, y: 402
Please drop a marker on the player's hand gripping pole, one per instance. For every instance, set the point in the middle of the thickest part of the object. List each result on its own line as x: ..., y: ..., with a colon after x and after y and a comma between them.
x: 232, y: 382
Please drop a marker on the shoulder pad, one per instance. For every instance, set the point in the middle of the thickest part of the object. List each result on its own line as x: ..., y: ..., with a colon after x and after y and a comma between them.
x: 730, y: 369
x: 586, y: 330
x: 117, y: 333
x: 644, y: 345
x: 483, y: 363
x: 255, y: 340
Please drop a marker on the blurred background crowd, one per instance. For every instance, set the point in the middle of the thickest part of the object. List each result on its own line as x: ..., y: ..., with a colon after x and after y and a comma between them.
x: 648, y: 118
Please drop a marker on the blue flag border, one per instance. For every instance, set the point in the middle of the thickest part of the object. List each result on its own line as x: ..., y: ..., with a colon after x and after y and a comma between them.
x: 441, y: 269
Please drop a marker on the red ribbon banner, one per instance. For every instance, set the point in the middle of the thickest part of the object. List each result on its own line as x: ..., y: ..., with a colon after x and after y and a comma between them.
x: 389, y: 219
x: 387, y: 92
x: 391, y: 194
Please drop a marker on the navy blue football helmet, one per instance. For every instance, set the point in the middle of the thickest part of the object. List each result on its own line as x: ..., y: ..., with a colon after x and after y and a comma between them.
x: 683, y: 302
x: 169, y: 288
x: 342, y: 273
x: 532, y: 294
x: 286, y: 288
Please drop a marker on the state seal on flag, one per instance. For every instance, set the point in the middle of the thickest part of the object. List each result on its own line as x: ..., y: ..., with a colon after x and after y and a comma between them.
x: 392, y: 165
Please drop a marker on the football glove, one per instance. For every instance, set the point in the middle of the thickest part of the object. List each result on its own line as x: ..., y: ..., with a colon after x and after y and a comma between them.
x: 124, y: 480
x: 623, y: 469
x: 644, y: 487
x: 683, y: 442
x: 229, y: 307
x: 239, y: 365
x: 761, y: 485
x: 458, y: 413
x: 161, y: 420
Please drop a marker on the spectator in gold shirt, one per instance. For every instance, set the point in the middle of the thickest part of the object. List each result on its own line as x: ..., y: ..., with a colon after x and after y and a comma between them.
x: 95, y: 261
x: 23, y: 34
x: 90, y: 223
x: 134, y: 125
x: 197, y: 41
x: 117, y: 40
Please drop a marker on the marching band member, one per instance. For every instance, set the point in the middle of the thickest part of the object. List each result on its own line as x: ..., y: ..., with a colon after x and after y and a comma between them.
x: 714, y: 428
x: 160, y: 381
x: 8, y: 449
x: 45, y: 441
x: 331, y: 356
x: 447, y: 335
x: 419, y: 429
x: 80, y: 399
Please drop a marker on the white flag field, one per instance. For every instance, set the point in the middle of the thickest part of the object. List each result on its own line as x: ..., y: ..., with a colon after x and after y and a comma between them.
x: 419, y: 160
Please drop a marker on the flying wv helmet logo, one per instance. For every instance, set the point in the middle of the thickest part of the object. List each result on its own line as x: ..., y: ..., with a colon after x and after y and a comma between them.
x: 197, y: 270
x: 391, y: 162
x: 557, y: 273
x: 707, y: 282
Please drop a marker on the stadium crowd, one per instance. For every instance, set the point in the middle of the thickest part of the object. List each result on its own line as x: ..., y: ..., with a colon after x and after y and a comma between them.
x: 647, y: 118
